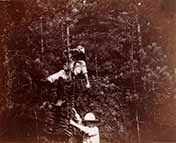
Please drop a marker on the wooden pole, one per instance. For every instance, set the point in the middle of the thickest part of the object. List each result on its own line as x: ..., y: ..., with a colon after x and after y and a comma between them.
x: 68, y: 50
x: 139, y: 37
x: 42, y: 40
x: 138, y: 127
x: 68, y: 36
x: 136, y: 4
x: 96, y: 65
x: 62, y: 35
x: 136, y: 103
x: 37, y: 134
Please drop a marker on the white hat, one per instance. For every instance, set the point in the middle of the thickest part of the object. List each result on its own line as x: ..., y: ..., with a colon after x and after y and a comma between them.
x: 90, y: 117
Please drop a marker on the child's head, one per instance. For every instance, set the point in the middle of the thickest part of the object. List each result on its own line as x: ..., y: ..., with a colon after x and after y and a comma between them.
x: 90, y: 120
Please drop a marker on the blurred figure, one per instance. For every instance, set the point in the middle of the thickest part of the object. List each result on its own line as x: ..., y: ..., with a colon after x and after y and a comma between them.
x: 76, y: 66
x: 87, y: 126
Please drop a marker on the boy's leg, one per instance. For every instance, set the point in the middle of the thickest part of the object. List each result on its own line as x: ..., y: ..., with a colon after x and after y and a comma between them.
x: 85, y: 72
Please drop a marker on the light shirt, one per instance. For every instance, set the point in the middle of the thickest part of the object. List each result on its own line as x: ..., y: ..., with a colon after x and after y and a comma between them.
x: 91, y: 133
x: 52, y: 78
x: 78, y: 67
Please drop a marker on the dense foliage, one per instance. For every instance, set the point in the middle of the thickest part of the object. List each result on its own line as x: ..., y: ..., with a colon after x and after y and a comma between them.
x: 130, y: 67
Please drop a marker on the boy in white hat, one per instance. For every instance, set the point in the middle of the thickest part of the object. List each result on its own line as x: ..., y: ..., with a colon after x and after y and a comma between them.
x: 88, y: 127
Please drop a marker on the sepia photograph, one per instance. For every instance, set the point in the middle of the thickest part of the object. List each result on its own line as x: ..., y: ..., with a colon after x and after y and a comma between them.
x: 87, y: 71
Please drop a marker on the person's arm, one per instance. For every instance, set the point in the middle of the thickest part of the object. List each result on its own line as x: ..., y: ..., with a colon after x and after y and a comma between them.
x: 79, y: 126
x: 87, y: 130
x: 74, y: 50
x: 77, y: 116
x: 80, y: 50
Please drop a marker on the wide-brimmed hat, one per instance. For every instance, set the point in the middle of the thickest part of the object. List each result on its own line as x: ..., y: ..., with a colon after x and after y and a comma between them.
x: 90, y: 117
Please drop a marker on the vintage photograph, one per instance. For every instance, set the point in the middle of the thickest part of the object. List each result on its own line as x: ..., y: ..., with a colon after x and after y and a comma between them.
x: 87, y: 71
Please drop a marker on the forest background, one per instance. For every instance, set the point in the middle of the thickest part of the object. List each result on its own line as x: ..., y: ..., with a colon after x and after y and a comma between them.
x: 130, y: 50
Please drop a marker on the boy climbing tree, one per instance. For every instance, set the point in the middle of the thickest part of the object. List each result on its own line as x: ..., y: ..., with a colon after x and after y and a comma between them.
x: 78, y: 63
x: 77, y: 66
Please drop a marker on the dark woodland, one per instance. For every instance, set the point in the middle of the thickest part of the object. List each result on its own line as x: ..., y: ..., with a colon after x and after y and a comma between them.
x: 130, y: 56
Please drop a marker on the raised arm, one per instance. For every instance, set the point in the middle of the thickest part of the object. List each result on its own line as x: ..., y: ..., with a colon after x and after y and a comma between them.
x: 80, y: 49
x: 77, y: 116
x: 74, y: 50
x: 87, y: 130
